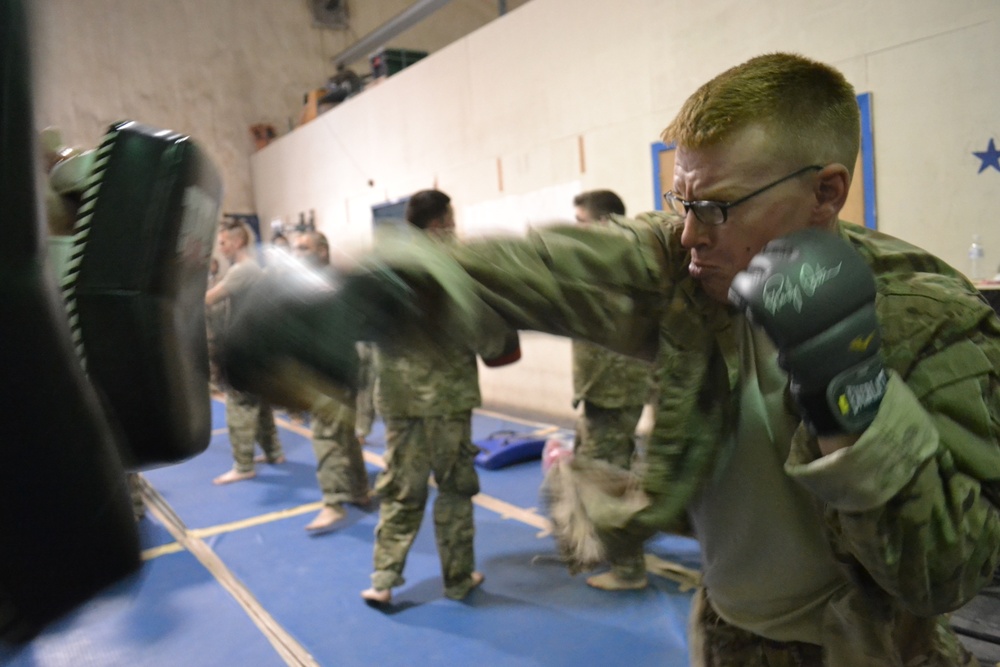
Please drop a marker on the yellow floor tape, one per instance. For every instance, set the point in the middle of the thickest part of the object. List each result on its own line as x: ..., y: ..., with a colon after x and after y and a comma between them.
x: 191, y: 540
x: 291, y: 651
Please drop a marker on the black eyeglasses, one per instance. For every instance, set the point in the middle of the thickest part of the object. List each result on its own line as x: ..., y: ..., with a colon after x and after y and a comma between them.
x: 715, y: 213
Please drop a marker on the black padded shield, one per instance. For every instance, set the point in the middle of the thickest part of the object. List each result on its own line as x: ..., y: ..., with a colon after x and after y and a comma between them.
x: 135, y: 289
x: 66, y: 525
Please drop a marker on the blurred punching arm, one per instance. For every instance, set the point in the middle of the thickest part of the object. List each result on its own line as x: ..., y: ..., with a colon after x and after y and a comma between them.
x: 414, y: 291
x: 585, y: 282
x: 292, y: 338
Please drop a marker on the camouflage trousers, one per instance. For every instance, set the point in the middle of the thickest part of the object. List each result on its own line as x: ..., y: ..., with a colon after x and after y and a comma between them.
x: 716, y: 643
x: 415, y: 448
x: 340, y: 463
x: 608, y: 434
x: 250, y: 420
x: 366, y: 390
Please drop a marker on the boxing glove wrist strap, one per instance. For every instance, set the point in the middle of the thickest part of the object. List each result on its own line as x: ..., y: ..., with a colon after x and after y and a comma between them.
x: 850, y: 402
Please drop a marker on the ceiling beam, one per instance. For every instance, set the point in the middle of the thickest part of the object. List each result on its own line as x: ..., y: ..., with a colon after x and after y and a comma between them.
x: 378, y: 37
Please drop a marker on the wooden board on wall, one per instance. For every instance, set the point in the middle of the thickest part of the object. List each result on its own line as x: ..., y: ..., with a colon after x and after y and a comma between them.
x: 860, y: 205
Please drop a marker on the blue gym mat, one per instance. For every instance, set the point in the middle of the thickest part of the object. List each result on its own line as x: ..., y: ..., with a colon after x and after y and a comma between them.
x: 246, y: 585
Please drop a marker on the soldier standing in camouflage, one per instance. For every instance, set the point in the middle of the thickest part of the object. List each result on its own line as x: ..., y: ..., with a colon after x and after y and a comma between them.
x: 340, y: 463
x: 613, y: 389
x: 248, y: 417
x: 426, y: 399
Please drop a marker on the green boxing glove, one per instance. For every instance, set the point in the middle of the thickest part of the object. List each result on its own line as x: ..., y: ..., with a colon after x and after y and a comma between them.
x: 815, y: 297
x: 294, y: 334
x: 292, y: 337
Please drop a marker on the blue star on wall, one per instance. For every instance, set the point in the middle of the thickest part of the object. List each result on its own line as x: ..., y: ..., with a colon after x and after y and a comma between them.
x: 990, y: 157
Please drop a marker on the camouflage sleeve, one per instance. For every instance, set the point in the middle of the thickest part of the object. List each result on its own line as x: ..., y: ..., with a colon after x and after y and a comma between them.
x: 580, y: 281
x: 913, y: 501
x: 566, y: 280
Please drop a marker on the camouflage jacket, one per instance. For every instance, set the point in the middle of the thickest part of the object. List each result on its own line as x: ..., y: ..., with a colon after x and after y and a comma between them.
x: 911, y: 507
x: 425, y: 381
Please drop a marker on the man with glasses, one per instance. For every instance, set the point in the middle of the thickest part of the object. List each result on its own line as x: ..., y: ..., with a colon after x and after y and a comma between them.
x: 717, y: 212
x: 834, y: 440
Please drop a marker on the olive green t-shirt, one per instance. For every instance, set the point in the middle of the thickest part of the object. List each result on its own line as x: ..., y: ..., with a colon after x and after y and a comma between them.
x: 768, y: 566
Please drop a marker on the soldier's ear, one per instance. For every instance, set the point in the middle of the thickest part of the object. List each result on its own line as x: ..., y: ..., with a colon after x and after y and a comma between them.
x: 832, y: 184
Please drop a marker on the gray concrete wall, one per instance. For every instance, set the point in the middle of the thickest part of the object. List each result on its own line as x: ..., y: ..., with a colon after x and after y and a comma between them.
x: 207, y: 68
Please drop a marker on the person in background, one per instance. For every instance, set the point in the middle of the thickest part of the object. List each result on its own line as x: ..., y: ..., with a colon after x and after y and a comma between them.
x: 340, y: 463
x: 280, y: 241
x: 426, y: 401
x: 613, y: 390
x: 249, y: 418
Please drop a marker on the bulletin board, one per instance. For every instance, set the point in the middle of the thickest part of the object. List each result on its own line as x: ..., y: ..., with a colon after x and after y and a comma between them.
x: 860, y: 206
x: 390, y: 213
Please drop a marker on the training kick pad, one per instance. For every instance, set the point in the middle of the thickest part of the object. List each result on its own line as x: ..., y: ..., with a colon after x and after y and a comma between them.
x: 65, y: 515
x: 135, y: 289
x: 505, y: 448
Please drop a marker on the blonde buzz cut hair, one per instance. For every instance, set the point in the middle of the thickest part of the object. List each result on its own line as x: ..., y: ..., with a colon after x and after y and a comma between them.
x: 808, y: 107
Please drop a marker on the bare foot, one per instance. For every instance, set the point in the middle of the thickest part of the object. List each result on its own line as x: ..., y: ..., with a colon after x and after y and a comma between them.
x: 609, y: 581
x: 475, y: 579
x: 377, y: 597
x: 262, y: 458
x: 234, y: 476
x: 326, y: 520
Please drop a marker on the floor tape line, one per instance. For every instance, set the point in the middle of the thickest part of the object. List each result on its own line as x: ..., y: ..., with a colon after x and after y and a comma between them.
x: 504, y: 509
x: 293, y: 653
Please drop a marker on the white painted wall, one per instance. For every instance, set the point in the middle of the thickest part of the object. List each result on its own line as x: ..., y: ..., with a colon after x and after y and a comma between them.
x: 525, y: 91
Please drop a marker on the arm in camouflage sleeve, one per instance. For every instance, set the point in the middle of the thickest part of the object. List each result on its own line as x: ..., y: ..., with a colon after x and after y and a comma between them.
x: 587, y: 284
x: 914, y: 500
x: 584, y: 282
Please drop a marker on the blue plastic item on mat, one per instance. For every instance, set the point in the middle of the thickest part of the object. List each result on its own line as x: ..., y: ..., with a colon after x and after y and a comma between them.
x: 504, y: 448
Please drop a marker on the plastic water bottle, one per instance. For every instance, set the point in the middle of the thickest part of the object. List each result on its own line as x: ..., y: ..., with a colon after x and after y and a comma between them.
x: 976, y: 259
